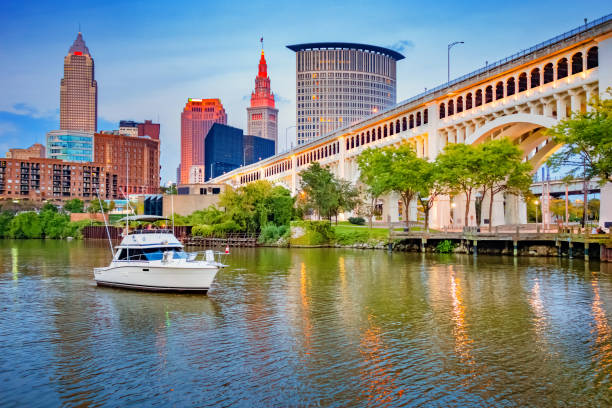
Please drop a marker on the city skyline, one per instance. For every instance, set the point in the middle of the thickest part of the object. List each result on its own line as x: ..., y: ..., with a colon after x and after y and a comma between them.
x: 169, y: 70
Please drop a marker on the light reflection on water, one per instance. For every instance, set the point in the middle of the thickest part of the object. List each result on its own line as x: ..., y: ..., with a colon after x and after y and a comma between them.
x: 299, y: 327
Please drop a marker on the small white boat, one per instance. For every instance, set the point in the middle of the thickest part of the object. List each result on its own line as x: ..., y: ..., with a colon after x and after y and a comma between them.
x: 154, y: 260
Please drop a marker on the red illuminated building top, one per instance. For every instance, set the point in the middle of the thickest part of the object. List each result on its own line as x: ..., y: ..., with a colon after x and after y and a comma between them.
x: 262, y: 95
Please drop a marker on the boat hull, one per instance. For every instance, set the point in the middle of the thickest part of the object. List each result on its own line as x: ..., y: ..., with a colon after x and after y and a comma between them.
x: 194, y: 278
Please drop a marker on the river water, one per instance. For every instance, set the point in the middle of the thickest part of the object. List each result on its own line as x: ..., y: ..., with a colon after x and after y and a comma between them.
x: 307, y: 327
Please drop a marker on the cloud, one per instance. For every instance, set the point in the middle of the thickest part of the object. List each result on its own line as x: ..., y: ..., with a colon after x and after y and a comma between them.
x: 280, y: 100
x: 402, y: 45
x: 24, y: 109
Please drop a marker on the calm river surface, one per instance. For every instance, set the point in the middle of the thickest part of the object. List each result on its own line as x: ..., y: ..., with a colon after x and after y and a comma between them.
x: 307, y: 327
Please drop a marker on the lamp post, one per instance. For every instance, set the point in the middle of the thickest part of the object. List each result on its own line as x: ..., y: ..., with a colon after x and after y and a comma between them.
x: 536, y: 202
x: 451, y: 45
x: 286, y: 130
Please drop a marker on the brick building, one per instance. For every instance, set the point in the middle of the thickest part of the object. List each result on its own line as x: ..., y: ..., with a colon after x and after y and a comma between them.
x: 141, y: 154
x: 36, y: 150
x: 40, y: 179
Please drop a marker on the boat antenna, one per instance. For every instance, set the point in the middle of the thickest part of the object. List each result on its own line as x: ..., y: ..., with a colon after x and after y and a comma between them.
x: 110, y: 242
x: 127, y: 191
x: 172, y: 201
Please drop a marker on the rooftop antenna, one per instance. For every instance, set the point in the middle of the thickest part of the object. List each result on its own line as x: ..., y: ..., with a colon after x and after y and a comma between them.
x: 585, y: 21
x: 80, y: 26
x: 261, y: 41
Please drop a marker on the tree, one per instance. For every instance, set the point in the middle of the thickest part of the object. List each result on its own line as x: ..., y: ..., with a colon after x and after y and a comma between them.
x: 256, y: 204
x: 74, y: 206
x: 393, y: 169
x: 371, y: 162
x: 502, y: 169
x: 94, y: 206
x: 459, y: 171
x: 25, y: 225
x: 430, y: 187
x: 48, y: 207
x: 587, y: 137
x: 318, y: 190
x: 348, y: 197
x: 5, y: 221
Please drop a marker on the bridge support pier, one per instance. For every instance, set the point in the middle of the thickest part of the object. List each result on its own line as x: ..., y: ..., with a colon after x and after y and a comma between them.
x: 605, y: 202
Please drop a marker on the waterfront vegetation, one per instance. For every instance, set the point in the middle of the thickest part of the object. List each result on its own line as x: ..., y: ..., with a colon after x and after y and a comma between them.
x: 48, y: 222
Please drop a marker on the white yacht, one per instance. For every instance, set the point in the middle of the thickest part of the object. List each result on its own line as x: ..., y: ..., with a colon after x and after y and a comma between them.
x: 155, y: 260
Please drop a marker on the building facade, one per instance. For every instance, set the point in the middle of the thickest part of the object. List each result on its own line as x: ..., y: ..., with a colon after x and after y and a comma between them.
x: 36, y: 151
x: 70, y: 145
x: 134, y: 159
x: 262, y: 116
x: 79, y: 90
x: 338, y: 84
x: 227, y: 148
x: 50, y: 179
x: 256, y: 148
x: 224, y: 150
x: 133, y: 128
x: 197, y: 118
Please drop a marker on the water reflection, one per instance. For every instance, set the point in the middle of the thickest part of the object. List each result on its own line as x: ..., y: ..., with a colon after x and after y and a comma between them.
x: 602, y: 344
x: 326, y: 327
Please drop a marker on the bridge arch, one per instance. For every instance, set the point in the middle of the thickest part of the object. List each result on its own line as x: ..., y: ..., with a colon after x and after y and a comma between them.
x: 527, y: 130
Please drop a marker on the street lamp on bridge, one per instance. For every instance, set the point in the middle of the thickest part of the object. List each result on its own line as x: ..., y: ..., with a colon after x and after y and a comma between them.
x: 451, y: 45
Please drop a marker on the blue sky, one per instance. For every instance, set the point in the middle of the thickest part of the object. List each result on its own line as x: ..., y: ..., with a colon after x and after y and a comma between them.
x: 151, y: 56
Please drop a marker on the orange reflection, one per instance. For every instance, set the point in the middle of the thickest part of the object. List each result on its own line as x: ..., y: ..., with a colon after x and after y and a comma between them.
x: 463, y: 342
x: 603, y: 337
x: 305, y: 309
x: 540, y: 322
x: 377, y: 374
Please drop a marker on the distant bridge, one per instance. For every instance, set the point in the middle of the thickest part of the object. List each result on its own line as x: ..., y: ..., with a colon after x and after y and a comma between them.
x: 558, y: 187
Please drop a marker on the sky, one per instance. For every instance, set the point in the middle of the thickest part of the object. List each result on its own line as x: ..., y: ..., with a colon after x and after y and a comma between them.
x: 151, y: 56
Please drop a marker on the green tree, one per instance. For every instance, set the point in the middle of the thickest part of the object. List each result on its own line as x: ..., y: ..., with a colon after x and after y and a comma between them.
x: 370, y: 163
x: 317, y: 184
x: 48, y: 207
x: 430, y: 187
x: 74, y: 206
x: 459, y: 171
x: 94, y: 206
x: 394, y: 169
x: 25, y: 225
x: 502, y: 169
x: 587, y: 140
x: 256, y: 204
x: 5, y: 221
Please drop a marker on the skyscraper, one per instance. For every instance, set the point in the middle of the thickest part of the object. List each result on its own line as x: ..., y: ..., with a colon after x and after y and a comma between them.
x: 197, y: 118
x: 262, y: 117
x: 79, y: 90
x: 340, y: 83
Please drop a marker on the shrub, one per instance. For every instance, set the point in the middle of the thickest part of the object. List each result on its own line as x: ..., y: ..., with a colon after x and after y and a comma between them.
x: 357, y: 220
x: 202, y: 230
x: 445, y: 247
x: 221, y: 230
x: 270, y: 233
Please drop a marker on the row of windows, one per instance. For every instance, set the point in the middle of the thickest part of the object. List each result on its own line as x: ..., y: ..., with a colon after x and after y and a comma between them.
x: 278, y: 168
x: 318, y: 154
x: 247, y: 178
x: 511, y: 86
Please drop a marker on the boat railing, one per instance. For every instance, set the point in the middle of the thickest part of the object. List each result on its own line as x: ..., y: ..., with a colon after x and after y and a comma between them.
x: 208, y: 255
x: 151, y: 231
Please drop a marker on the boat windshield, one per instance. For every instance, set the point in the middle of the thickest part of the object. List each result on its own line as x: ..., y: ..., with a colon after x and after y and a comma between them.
x: 149, y: 254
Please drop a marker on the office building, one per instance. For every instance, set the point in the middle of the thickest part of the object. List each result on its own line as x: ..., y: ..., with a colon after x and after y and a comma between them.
x: 128, y: 128
x: 140, y: 154
x: 227, y: 148
x: 35, y: 151
x: 70, y: 145
x: 338, y: 84
x: 79, y: 90
x: 197, y: 118
x: 257, y: 148
x: 40, y: 179
x: 262, y: 117
x: 133, y: 128
x: 224, y: 150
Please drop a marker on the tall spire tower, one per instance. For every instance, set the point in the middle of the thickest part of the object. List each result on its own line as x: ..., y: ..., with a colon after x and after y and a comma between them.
x: 79, y: 90
x: 262, y: 115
